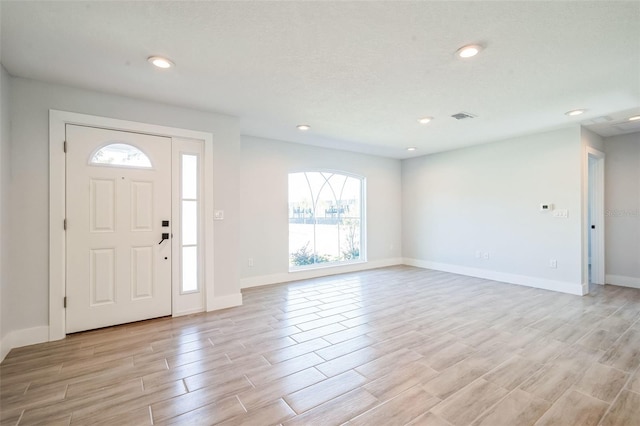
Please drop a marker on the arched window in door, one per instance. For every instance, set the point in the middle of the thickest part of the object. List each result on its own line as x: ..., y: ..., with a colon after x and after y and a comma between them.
x: 121, y: 154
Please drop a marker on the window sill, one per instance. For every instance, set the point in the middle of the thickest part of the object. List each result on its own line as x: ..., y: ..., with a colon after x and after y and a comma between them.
x: 325, y: 266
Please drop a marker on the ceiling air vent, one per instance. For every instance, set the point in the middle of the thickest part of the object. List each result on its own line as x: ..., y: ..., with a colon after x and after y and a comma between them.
x: 598, y: 120
x: 463, y: 116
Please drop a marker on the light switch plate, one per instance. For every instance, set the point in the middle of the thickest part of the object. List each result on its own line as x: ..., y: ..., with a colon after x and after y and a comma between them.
x: 564, y: 213
x: 218, y: 215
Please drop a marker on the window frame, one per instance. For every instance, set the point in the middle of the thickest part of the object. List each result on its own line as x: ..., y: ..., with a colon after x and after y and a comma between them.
x: 363, y: 221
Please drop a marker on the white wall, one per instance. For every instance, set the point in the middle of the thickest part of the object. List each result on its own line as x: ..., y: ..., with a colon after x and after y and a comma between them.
x: 26, y: 299
x: 264, y: 206
x: 622, y: 210
x: 5, y: 176
x: 591, y: 139
x: 486, y: 198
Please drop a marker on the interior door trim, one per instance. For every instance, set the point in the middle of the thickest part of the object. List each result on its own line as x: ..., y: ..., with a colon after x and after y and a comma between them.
x: 57, y: 199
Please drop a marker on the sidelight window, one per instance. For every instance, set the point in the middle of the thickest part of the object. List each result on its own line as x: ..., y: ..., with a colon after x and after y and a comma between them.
x: 189, y: 217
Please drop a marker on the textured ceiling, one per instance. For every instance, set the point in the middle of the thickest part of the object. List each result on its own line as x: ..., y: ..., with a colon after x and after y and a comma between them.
x: 360, y: 73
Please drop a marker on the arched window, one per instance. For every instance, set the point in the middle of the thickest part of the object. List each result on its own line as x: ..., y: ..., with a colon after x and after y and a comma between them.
x: 326, y: 219
x: 121, y: 154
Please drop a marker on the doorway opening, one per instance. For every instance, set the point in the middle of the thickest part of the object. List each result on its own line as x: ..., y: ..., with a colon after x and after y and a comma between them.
x: 595, y: 218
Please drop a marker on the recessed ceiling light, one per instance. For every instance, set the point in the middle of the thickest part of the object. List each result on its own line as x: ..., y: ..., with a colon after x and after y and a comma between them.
x: 469, y: 51
x: 411, y: 148
x: 634, y: 118
x: 303, y: 127
x: 160, y: 62
x: 425, y: 120
x: 575, y: 112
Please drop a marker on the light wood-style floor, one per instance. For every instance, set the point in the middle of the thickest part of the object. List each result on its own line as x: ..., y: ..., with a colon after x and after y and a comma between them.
x: 392, y: 346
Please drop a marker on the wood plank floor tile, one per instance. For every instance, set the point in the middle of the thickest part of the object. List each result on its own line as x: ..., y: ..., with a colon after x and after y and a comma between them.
x: 349, y: 333
x: 543, y: 350
x: 602, y: 382
x: 231, y: 385
x: 184, y: 403
x: 432, y: 346
x: 279, y: 355
x: 349, y: 361
x: 574, y: 408
x: 449, y: 355
x: 343, y: 348
x: 634, y: 383
x: 35, y: 397
x: 324, y: 391
x: 456, y: 377
x: 315, y: 333
x: 209, y: 414
x: 274, y: 413
x: 374, y: 346
x: 89, y: 383
x: 400, y: 410
x: 624, y: 411
x: 550, y: 382
x: 336, y: 411
x: 137, y: 417
x: 625, y: 353
x: 467, y: 404
x: 429, y: 419
x: 10, y: 417
x: 120, y: 406
x: 512, y: 372
x: 273, y: 372
x: 46, y: 374
x: 272, y: 391
x: 399, y: 380
x: 387, y: 363
x: 90, y: 401
x: 517, y: 408
x: 321, y: 322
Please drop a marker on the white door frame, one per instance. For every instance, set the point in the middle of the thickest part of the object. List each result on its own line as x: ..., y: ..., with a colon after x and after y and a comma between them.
x: 57, y: 200
x: 597, y: 215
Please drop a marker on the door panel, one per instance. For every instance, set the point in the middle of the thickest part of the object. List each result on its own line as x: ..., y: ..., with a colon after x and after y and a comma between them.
x: 142, y: 206
x: 102, y: 277
x: 117, y: 271
x: 103, y: 205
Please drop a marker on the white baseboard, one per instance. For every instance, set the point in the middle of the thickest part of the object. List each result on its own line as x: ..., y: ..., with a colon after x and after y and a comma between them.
x: 561, y: 286
x: 305, y: 274
x: 26, y: 337
x: 623, y: 281
x: 224, y: 302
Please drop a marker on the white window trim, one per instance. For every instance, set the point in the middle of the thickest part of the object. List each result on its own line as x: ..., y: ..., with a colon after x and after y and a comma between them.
x: 57, y: 196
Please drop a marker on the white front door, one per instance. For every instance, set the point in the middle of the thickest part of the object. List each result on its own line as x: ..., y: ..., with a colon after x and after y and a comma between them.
x: 118, y: 193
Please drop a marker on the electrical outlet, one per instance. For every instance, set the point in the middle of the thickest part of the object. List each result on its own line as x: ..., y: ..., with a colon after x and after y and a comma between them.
x: 553, y: 263
x: 485, y: 255
x: 218, y: 215
x: 250, y: 262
